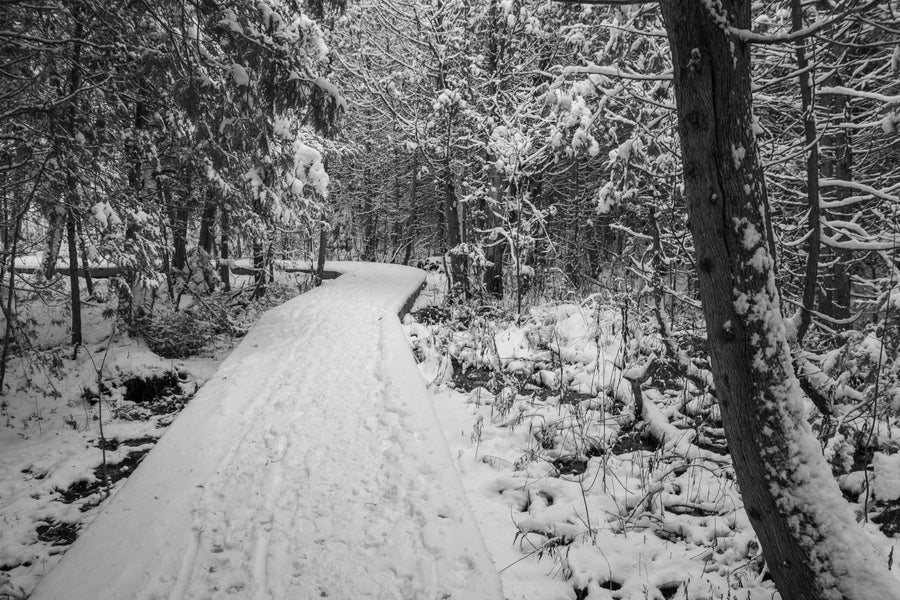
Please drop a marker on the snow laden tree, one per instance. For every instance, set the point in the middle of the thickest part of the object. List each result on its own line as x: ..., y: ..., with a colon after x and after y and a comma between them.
x: 386, y: 205
x: 820, y: 95
x: 263, y: 73
x: 812, y: 544
x: 472, y: 84
x: 518, y: 46
x: 614, y: 129
x: 409, y: 66
x: 132, y: 127
x: 444, y: 26
x: 55, y: 114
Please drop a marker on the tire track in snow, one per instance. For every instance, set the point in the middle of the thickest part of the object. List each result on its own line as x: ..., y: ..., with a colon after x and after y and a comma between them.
x: 187, y: 567
x: 209, y: 518
x: 236, y: 557
x: 340, y: 475
x: 260, y: 560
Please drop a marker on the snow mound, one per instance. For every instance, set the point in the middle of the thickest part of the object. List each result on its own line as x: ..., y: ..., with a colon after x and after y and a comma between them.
x: 887, y: 476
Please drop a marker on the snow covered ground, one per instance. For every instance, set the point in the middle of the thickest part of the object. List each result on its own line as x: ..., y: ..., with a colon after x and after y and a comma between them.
x: 51, y: 449
x: 310, y: 465
x: 576, y: 496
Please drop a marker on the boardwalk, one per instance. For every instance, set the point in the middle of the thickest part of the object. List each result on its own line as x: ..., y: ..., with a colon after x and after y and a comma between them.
x: 310, y: 466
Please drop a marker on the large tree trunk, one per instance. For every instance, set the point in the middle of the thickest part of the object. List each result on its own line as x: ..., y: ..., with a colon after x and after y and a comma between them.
x: 811, y: 542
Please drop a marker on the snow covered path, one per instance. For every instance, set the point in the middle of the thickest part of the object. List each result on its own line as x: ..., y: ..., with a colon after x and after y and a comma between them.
x: 311, y: 465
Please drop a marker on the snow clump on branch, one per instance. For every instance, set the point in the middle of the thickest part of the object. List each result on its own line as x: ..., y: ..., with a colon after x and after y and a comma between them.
x: 309, y: 169
x: 105, y: 216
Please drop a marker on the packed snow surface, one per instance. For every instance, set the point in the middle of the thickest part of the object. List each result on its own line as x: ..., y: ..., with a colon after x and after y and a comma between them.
x: 311, y: 465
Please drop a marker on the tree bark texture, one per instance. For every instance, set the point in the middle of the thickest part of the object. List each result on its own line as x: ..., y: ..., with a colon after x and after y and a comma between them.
x: 370, y: 229
x: 85, y: 266
x: 129, y: 280
x: 412, y: 219
x: 54, y: 241
x: 837, y: 163
x: 208, y: 223
x: 494, y: 251
x: 813, y: 547
x: 8, y: 311
x: 811, y: 277
x: 323, y: 248
x: 454, y: 236
x: 179, y: 221
x: 75, y: 76
x: 75, y: 292
x: 224, y: 251
x: 260, y: 278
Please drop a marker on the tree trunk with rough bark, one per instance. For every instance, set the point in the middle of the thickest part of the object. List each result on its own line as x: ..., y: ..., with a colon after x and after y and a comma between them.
x: 837, y: 163
x: 179, y: 222
x: 85, y: 265
x: 412, y: 219
x: 12, y: 241
x: 128, y: 279
x: 811, y: 277
x: 323, y: 248
x: 494, y: 251
x: 454, y: 237
x: 811, y: 542
x: 75, y: 291
x: 370, y: 229
x: 224, y: 251
x: 260, y: 277
x: 208, y: 223
x: 73, y: 197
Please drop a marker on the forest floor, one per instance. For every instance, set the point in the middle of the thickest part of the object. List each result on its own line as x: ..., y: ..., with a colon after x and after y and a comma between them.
x: 57, y: 469
x: 307, y: 466
x: 582, y: 492
x: 577, y: 494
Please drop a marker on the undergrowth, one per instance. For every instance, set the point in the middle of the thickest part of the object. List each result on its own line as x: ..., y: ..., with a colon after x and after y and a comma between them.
x: 596, y: 453
x: 229, y: 315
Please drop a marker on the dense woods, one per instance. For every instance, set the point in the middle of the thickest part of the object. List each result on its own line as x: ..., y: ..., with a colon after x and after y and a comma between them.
x: 728, y: 171
x: 153, y: 136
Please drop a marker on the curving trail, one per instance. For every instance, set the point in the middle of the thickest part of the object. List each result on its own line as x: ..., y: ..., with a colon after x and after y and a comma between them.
x: 310, y: 466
